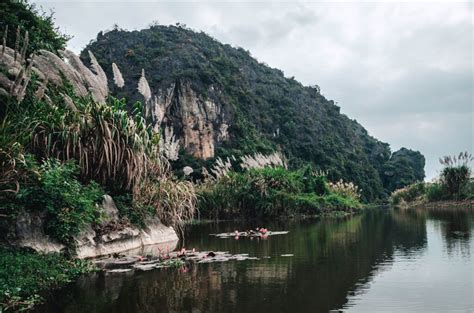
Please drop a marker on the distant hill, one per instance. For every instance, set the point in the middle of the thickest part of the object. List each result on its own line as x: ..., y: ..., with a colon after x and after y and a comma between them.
x: 220, y: 102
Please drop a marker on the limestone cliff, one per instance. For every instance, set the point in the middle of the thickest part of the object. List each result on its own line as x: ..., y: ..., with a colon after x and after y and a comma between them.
x: 199, y: 122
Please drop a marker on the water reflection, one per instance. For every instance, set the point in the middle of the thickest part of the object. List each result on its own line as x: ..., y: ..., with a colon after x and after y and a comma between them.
x: 349, y: 264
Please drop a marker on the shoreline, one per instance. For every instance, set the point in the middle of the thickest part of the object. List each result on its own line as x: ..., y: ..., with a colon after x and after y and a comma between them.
x: 442, y: 205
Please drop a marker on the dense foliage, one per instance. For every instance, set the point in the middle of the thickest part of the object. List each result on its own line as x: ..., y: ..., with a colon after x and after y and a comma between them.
x: 272, y: 193
x: 404, y: 167
x: 454, y: 183
x: 25, y: 275
x: 268, y: 110
x: 23, y: 15
x: 70, y: 205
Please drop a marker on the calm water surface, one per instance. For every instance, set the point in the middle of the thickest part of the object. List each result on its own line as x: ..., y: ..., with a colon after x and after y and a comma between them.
x: 380, y: 261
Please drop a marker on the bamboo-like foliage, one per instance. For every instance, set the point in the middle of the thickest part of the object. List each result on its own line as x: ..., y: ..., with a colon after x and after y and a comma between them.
x: 107, y: 143
x: 10, y: 155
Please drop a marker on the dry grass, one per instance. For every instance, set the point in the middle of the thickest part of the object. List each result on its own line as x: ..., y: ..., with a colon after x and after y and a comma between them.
x: 347, y: 189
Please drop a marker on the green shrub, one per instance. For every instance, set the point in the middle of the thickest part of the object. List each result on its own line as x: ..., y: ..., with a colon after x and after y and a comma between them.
x: 270, y: 193
x: 24, y: 275
x: 69, y: 204
x: 467, y: 191
x: 434, y: 192
x: 408, y: 193
x: 456, y: 174
x: 454, y: 179
x: 43, y: 33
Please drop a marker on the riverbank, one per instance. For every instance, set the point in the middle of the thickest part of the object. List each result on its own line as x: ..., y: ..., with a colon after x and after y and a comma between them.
x: 442, y: 205
x: 25, y: 276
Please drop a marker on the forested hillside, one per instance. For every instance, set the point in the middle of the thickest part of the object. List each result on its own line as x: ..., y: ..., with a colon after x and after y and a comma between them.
x: 246, y: 106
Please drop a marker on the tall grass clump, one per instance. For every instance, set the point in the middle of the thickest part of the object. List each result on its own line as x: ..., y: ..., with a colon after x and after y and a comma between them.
x: 455, y: 174
x: 269, y: 192
x: 408, y: 194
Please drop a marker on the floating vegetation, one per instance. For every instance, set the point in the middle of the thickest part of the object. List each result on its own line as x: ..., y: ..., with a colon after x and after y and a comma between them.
x: 259, y: 233
x: 182, y: 260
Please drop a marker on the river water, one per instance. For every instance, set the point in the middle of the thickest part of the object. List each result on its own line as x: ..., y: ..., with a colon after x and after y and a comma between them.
x: 379, y: 261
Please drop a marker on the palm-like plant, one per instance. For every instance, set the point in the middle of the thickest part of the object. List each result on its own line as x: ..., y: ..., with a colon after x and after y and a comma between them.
x: 456, y: 173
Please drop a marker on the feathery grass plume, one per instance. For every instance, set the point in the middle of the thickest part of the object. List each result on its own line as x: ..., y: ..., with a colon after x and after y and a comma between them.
x: 17, y: 42
x: 175, y: 201
x: 347, y: 189
x: 40, y: 92
x: 68, y: 103
x: 260, y: 160
x: 26, y: 81
x: 96, y: 86
x: 25, y: 45
x: 118, y: 78
x: 4, y: 39
x: 464, y: 158
x: 45, y: 71
x: 54, y: 69
x: 154, y: 111
x: 143, y: 87
x: 221, y: 168
x: 8, y: 58
x: 15, y: 87
x: 101, y: 77
x: 169, y: 145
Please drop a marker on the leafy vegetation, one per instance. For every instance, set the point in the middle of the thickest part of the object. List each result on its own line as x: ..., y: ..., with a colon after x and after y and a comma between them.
x: 25, y: 275
x: 268, y: 111
x: 454, y: 183
x: 404, y: 167
x: 271, y: 193
x: 24, y: 16
x: 70, y: 205
x: 409, y: 193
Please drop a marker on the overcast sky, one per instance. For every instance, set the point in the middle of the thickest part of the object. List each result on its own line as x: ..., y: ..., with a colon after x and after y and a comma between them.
x: 404, y: 70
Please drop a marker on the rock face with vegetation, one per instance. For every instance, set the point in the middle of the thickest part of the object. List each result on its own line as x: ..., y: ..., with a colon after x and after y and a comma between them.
x: 114, y: 235
x: 219, y: 101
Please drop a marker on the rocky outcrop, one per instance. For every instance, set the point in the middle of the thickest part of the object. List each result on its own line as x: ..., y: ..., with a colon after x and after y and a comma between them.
x: 199, y: 122
x: 28, y: 231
